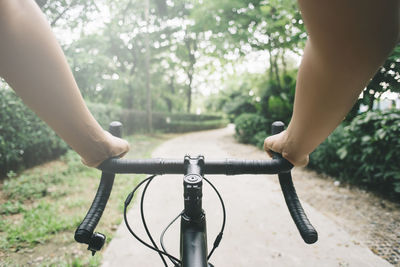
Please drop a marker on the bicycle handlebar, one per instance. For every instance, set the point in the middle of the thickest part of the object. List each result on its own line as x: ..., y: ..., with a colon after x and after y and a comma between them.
x: 175, y: 166
x: 278, y: 165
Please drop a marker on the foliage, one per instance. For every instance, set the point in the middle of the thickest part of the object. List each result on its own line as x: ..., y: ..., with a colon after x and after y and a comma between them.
x: 24, y: 139
x: 33, y: 201
x: 273, y: 26
x: 67, y: 13
x: 277, y: 100
x: 39, y: 223
x: 187, y: 126
x: 365, y: 152
x: 257, y: 94
x: 130, y: 58
x: 240, y: 95
x: 104, y: 114
x: 134, y: 121
x: 239, y: 103
x: 248, y: 127
x: 387, y: 78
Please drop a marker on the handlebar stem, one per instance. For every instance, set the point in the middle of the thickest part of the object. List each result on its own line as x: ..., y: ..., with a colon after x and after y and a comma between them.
x: 193, y: 187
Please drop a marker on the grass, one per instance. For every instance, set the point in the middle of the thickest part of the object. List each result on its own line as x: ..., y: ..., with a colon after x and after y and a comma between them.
x: 41, y: 208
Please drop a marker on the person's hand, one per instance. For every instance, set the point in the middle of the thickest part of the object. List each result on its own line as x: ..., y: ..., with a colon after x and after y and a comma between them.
x: 110, y: 146
x: 280, y: 143
x: 118, y: 147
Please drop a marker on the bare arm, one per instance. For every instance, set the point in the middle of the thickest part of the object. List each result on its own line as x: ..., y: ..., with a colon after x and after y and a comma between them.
x: 348, y: 41
x: 33, y: 64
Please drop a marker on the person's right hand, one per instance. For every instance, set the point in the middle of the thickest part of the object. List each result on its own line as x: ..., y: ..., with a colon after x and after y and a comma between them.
x: 111, y: 146
x: 280, y: 143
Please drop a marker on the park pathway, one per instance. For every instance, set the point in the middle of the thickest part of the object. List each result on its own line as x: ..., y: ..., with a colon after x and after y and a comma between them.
x: 259, y: 231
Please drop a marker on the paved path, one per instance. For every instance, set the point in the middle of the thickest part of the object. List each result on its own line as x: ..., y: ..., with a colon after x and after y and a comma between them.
x: 259, y: 230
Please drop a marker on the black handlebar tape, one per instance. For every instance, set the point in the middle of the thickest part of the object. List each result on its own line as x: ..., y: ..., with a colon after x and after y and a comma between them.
x: 175, y: 166
x: 307, y: 231
x: 235, y: 166
x: 85, y: 230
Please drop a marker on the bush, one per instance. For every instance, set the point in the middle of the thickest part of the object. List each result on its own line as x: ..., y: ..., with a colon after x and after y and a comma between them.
x: 24, y: 139
x: 366, y: 152
x: 188, y: 126
x: 239, y: 104
x: 258, y: 139
x: 249, y: 127
x: 325, y: 158
x: 105, y: 114
x: 136, y: 121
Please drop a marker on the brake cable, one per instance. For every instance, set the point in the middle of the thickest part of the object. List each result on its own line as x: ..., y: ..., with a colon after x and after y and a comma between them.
x: 173, y: 259
x: 219, y: 236
x: 144, y: 221
x: 127, y: 202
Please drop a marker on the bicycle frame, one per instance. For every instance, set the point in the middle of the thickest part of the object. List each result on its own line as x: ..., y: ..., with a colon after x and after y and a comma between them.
x: 193, y: 242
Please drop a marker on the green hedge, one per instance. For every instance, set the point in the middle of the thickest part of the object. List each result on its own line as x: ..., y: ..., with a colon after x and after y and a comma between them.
x: 136, y: 121
x: 188, y: 126
x: 365, y: 152
x: 251, y: 128
x: 26, y: 141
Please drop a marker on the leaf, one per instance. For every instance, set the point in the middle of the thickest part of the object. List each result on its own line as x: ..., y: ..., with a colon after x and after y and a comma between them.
x: 381, y: 133
x: 366, y: 139
x: 342, y: 153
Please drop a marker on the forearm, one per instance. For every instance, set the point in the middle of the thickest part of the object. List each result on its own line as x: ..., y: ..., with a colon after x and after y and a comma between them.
x: 33, y: 64
x: 345, y: 48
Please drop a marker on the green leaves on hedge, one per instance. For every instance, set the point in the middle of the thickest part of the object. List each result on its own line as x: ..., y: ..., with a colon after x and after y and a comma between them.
x: 24, y: 139
x: 251, y: 128
x: 366, y: 152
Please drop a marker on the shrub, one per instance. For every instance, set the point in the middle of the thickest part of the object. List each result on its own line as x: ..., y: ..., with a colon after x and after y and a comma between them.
x: 188, y: 126
x: 259, y: 138
x: 325, y: 158
x: 105, y: 114
x: 248, y: 127
x: 25, y: 140
x: 366, y: 152
x: 239, y: 104
x: 136, y: 121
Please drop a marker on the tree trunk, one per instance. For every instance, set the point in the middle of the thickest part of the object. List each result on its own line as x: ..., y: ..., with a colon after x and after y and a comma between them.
x: 189, y: 93
x: 147, y: 66
x: 276, y: 71
x: 191, y: 45
x: 283, y: 60
x: 129, y: 105
x: 172, y: 91
x: 271, y: 65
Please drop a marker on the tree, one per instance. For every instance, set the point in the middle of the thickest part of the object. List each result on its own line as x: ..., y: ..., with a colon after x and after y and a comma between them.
x: 386, y: 79
x: 69, y: 12
x: 274, y: 26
